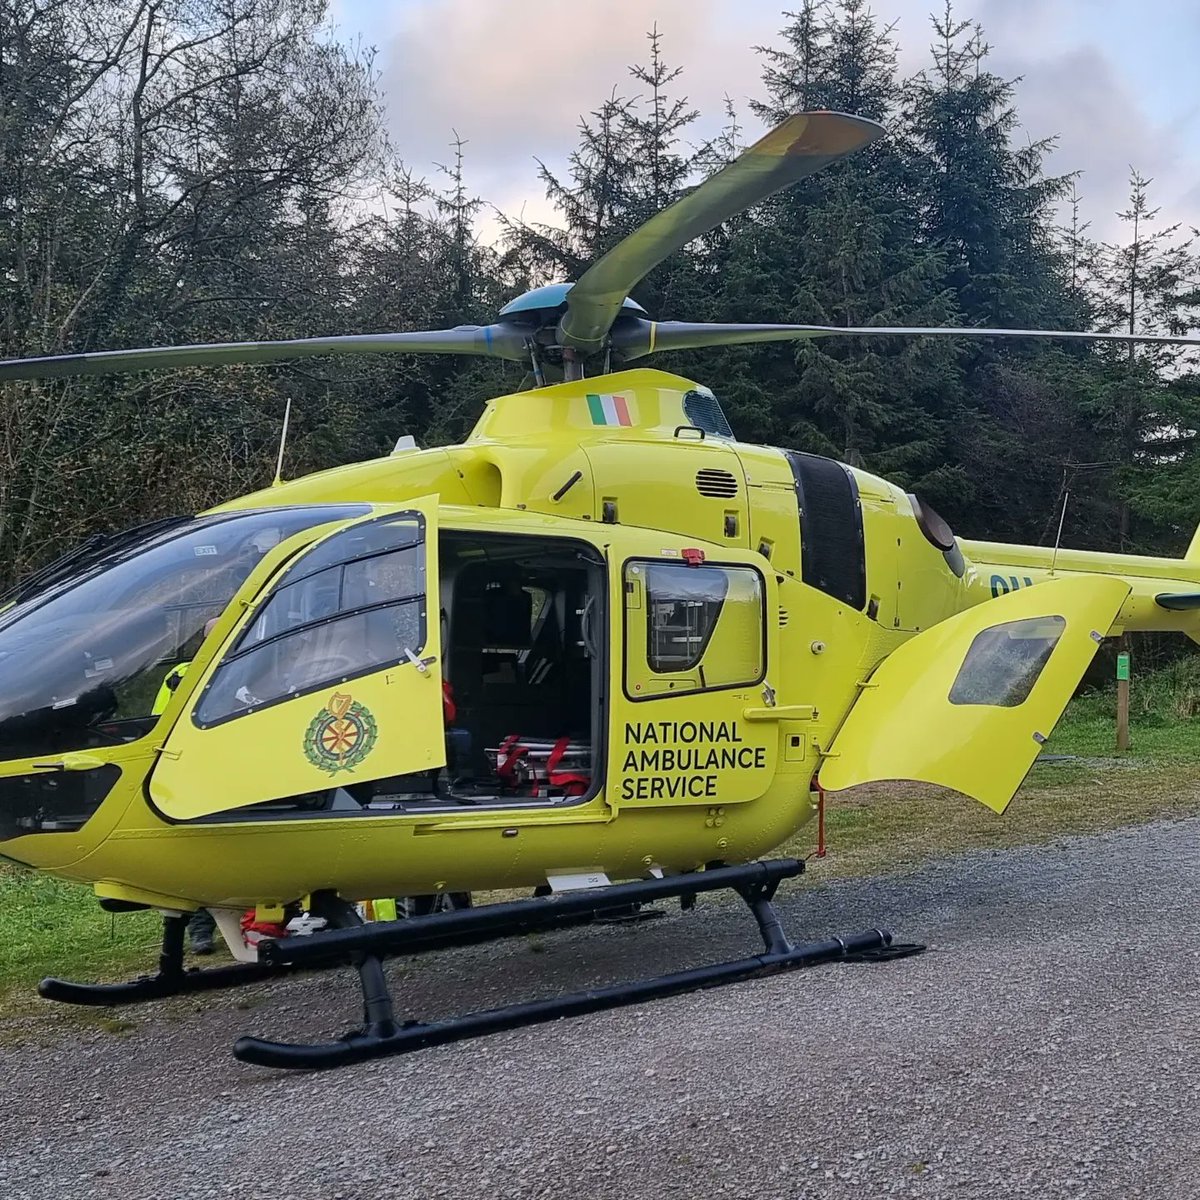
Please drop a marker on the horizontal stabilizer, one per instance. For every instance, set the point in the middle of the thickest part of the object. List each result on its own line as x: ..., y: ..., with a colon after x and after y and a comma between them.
x: 1178, y: 601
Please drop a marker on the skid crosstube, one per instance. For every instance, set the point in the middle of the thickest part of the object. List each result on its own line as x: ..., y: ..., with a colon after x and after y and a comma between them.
x: 471, y: 926
x: 382, y: 1035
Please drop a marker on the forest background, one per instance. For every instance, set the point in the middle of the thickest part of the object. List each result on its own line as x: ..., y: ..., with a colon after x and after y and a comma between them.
x: 177, y: 171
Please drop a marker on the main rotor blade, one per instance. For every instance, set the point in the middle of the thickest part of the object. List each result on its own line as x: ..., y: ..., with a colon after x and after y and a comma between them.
x: 798, y: 147
x: 636, y: 339
x: 495, y: 341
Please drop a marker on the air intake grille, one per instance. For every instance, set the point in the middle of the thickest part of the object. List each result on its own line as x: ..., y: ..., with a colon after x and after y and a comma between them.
x: 783, y: 617
x: 832, y: 557
x: 710, y: 481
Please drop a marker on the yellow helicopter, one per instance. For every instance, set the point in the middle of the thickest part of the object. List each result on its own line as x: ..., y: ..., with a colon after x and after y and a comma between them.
x: 601, y: 649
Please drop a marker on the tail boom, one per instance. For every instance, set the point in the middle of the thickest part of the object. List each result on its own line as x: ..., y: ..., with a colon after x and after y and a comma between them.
x: 1164, y: 596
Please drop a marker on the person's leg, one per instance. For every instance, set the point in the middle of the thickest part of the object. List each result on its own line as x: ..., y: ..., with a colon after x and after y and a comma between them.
x: 200, y: 929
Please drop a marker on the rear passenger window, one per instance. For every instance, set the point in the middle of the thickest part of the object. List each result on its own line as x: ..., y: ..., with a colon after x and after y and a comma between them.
x: 1004, y: 662
x: 692, y: 628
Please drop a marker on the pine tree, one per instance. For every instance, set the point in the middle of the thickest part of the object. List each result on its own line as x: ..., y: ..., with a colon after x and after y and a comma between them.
x: 986, y: 205
x: 794, y: 75
x: 1080, y: 254
x: 422, y: 265
x: 985, y: 202
x: 595, y: 201
x: 458, y: 388
x: 841, y: 250
x: 653, y: 129
x: 192, y: 170
x: 1147, y: 285
x: 459, y: 211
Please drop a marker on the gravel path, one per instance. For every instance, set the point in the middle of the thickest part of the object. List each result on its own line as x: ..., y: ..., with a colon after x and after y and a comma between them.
x: 1046, y: 1046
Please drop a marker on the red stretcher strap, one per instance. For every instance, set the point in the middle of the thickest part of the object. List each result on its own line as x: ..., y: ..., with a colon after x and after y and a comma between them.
x: 572, y: 782
x: 507, y: 757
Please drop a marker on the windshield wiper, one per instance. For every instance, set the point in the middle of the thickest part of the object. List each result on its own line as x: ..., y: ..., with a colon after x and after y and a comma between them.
x: 91, y: 550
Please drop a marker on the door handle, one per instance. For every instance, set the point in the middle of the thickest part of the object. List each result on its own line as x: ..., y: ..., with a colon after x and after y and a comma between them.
x: 781, y: 712
x: 422, y: 664
x: 71, y: 762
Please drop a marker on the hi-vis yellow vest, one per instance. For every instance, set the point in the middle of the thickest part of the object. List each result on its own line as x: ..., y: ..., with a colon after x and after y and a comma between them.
x: 169, y: 684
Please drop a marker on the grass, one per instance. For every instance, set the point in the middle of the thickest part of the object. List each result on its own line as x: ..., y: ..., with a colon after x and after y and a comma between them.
x: 900, y: 826
x: 1091, y: 787
x: 51, y: 927
x: 1153, y: 741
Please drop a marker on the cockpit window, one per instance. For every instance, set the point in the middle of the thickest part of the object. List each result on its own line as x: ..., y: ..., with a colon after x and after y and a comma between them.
x: 83, y: 662
x: 354, y: 604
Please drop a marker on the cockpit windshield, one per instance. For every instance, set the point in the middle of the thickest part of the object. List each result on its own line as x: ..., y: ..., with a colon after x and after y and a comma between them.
x: 84, y: 662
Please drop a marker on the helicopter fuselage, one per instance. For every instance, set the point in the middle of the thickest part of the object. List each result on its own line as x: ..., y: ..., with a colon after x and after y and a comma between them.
x: 599, y: 639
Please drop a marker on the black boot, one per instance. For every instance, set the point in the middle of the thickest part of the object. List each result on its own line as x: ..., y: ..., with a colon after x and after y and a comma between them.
x: 200, y: 930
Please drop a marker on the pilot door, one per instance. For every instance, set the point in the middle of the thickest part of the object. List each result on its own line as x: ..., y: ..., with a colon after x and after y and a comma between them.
x: 332, y: 678
x: 969, y: 703
x: 696, y: 651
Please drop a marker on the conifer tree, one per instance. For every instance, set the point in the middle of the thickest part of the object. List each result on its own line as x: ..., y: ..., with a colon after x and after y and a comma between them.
x: 985, y: 202
x: 595, y: 201
x: 427, y: 267
x: 192, y: 170
x: 841, y: 249
x: 1147, y: 284
x: 987, y: 207
x: 631, y: 162
x: 653, y: 129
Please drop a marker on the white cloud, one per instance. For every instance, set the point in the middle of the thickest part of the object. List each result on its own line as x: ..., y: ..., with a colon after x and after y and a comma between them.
x: 514, y: 79
x: 1098, y: 104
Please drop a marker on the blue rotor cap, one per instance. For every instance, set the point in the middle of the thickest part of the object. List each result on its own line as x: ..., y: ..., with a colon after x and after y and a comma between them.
x: 553, y: 295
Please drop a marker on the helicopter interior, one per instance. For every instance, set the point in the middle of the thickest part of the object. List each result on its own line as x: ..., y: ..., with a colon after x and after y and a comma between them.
x: 522, y: 666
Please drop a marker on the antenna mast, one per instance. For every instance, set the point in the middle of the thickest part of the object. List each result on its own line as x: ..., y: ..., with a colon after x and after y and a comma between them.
x: 287, y: 412
x: 1058, y: 539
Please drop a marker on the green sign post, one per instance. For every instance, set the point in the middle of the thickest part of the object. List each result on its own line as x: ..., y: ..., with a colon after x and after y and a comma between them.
x: 1123, y: 699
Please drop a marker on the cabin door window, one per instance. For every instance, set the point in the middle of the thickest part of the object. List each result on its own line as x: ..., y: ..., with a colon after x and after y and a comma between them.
x: 692, y: 629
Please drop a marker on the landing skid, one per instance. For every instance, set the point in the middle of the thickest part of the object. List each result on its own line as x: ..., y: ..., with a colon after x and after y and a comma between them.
x: 346, y: 940
x: 382, y: 1035
x: 171, y: 978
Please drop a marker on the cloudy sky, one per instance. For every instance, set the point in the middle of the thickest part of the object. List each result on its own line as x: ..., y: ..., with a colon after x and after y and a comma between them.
x: 1117, y: 80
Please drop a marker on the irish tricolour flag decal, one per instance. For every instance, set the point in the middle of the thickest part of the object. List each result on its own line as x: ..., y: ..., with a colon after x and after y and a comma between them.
x: 608, y: 409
